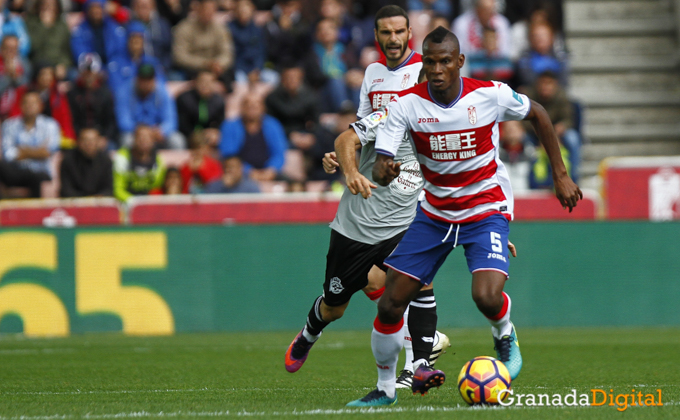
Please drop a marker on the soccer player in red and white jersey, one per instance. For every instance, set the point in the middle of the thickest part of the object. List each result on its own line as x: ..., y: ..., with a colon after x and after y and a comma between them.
x: 365, y: 232
x: 453, y: 128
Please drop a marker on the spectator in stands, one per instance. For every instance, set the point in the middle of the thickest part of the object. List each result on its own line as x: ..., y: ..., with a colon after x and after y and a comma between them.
x: 257, y: 139
x: 330, y: 54
x: 147, y: 102
x: 138, y: 170
x: 488, y: 63
x: 201, y: 169
x: 29, y: 140
x: 203, y: 43
x: 516, y: 150
x: 50, y: 36
x: 293, y: 103
x: 172, y: 184
x: 13, y: 24
x: 350, y: 32
x: 158, y: 35
x: 15, y: 71
x: 173, y: 10
x: 438, y: 20
x: 547, y: 12
x: 322, y: 141
x: 250, y: 45
x: 92, y: 102
x: 86, y: 170
x: 548, y: 92
x: 98, y: 33
x: 201, y: 109
x: 55, y: 102
x: 441, y: 7
x: 540, y: 177
x: 123, y: 67
x: 288, y: 35
x: 541, y: 57
x: 469, y: 28
x: 232, y: 180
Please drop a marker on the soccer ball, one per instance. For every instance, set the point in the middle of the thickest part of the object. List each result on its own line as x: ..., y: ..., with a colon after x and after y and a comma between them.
x: 481, y: 379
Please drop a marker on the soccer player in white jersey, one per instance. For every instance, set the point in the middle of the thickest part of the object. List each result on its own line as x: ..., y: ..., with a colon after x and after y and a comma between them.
x: 453, y: 128
x: 365, y: 232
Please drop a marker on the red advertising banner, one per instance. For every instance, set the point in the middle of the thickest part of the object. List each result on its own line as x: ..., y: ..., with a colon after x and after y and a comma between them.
x: 61, y: 212
x: 233, y: 209
x: 642, y: 188
x: 312, y: 208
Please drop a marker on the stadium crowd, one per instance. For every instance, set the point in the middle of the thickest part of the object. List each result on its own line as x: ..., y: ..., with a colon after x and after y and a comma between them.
x: 106, y: 96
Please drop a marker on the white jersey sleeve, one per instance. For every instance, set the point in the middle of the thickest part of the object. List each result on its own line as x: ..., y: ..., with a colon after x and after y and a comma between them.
x: 367, y: 127
x: 511, y: 105
x: 365, y: 106
x: 391, y: 129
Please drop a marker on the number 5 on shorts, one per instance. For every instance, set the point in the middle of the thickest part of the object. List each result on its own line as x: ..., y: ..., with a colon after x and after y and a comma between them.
x: 496, y: 245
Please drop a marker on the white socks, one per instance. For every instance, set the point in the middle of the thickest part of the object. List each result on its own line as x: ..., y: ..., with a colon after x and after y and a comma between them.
x: 500, y: 324
x: 386, y: 348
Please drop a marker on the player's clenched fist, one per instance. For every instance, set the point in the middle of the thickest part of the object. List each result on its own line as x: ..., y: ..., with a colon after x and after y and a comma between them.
x: 385, y: 170
x: 330, y: 163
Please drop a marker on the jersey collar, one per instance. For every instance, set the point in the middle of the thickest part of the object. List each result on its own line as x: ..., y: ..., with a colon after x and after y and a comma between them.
x: 452, y: 103
x: 403, y: 63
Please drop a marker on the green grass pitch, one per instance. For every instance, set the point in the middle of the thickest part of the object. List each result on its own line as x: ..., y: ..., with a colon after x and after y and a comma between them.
x: 109, y: 376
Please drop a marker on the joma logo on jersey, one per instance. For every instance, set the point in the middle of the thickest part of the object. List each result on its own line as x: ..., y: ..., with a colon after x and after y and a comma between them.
x: 382, y: 99
x: 427, y: 120
x: 454, y: 146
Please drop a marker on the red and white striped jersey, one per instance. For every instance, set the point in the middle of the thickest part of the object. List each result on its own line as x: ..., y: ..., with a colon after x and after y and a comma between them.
x: 382, y: 83
x: 457, y: 147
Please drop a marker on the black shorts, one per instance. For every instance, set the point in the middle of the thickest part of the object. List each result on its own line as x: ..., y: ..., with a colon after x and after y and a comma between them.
x: 348, y: 263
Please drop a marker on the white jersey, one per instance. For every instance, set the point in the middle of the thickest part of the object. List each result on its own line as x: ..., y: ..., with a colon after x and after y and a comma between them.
x: 390, y: 210
x: 457, y: 146
x: 382, y: 83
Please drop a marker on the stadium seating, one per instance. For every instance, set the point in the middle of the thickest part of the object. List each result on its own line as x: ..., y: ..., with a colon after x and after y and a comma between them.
x: 625, y: 72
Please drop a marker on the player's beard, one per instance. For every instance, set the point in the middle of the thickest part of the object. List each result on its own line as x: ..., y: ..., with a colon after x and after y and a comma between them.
x: 402, y: 50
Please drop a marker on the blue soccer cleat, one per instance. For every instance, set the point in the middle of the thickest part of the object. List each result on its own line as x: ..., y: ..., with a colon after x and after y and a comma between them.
x: 375, y: 398
x: 425, y: 377
x: 507, y: 350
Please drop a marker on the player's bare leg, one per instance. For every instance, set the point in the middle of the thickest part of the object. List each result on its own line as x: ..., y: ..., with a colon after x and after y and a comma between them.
x: 495, y: 304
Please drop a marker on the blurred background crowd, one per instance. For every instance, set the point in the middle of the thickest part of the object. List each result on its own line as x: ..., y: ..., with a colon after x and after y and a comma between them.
x: 134, y: 97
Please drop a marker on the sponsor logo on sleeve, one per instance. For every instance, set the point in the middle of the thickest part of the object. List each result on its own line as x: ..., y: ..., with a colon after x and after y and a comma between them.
x: 517, y: 97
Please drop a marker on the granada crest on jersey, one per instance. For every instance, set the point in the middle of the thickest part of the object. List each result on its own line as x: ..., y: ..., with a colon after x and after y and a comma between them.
x: 472, y: 115
x: 404, y: 81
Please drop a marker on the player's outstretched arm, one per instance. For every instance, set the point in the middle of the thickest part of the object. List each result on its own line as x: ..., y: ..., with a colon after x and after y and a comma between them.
x: 565, y: 189
x: 385, y: 170
x: 345, y: 149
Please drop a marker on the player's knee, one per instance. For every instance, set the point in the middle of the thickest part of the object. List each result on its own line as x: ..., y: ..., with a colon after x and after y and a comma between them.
x: 487, y: 301
x: 390, y: 311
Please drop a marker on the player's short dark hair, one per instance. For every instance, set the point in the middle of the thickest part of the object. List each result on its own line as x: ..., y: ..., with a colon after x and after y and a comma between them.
x: 390, y: 11
x: 441, y: 34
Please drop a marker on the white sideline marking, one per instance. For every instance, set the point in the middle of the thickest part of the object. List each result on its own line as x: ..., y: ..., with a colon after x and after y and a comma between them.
x: 161, y: 391
x: 243, y: 413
